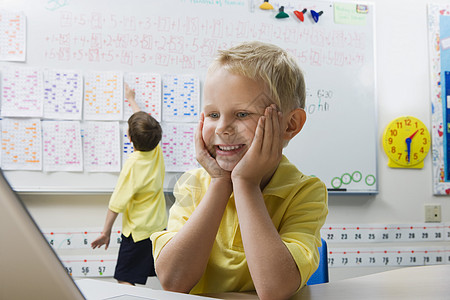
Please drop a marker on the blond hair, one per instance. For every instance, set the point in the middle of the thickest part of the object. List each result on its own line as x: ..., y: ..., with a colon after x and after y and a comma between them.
x: 269, y: 64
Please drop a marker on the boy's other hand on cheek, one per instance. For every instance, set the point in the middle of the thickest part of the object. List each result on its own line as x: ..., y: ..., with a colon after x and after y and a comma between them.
x: 265, y: 152
x: 203, y: 156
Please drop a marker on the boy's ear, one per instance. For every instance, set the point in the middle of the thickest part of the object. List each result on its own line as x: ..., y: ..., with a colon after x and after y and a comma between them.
x: 295, y: 121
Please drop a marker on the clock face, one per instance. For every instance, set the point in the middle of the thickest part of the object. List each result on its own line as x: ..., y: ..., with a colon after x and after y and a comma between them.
x: 406, y: 141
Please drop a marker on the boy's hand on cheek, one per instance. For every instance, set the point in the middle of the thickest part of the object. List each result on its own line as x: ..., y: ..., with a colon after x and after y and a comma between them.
x: 265, y: 152
x: 203, y: 156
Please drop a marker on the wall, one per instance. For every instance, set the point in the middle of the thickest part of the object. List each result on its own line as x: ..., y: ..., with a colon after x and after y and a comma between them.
x: 403, y: 89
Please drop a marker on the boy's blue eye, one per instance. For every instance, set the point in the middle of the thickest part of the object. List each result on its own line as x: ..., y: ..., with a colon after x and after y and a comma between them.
x: 213, y: 115
x: 242, y: 114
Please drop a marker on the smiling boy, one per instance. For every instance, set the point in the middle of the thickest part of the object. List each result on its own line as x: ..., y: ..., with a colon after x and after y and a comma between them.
x: 248, y: 220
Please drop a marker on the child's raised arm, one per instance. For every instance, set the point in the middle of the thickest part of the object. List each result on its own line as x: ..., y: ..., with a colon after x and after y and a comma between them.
x: 130, y: 96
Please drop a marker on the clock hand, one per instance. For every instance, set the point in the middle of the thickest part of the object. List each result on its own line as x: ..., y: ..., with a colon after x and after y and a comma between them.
x: 413, y: 135
x: 408, y: 147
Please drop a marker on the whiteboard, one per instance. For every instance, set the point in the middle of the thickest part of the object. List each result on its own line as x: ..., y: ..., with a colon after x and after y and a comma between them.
x: 338, y: 143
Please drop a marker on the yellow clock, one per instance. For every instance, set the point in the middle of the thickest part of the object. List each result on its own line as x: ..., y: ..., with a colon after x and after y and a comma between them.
x: 406, y: 141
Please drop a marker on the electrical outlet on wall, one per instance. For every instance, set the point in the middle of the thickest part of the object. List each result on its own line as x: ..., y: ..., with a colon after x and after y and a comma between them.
x: 432, y: 213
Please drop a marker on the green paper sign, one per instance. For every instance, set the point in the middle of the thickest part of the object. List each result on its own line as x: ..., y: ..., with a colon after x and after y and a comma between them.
x: 350, y: 14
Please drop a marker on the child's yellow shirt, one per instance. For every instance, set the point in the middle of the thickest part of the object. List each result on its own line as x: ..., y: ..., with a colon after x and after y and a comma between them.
x: 297, y: 204
x: 139, y: 194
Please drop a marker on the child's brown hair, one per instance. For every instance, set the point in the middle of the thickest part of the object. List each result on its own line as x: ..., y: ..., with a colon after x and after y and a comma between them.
x: 144, y: 131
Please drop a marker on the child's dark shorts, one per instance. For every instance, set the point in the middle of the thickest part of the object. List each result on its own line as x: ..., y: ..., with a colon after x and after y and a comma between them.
x: 135, y: 261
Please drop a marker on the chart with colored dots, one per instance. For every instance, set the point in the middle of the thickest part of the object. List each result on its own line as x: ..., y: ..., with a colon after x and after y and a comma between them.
x: 181, y: 98
x: 21, y: 144
x: 13, y: 36
x: 22, y: 92
x: 179, y: 147
x: 147, y: 87
x: 63, y: 94
x: 103, y: 96
x: 101, y: 146
x: 62, y: 148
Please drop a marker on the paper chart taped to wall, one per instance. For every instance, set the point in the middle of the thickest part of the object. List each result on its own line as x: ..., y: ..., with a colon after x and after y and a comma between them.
x: 178, y: 147
x: 62, y: 149
x: 13, y: 36
x: 181, y: 98
x: 22, y: 92
x: 101, y: 143
x: 63, y: 94
x: 147, y: 87
x: 103, y: 96
x: 21, y: 144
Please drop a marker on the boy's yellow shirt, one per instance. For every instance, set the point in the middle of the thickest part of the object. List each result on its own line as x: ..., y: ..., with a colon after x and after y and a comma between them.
x: 139, y: 194
x: 297, y: 204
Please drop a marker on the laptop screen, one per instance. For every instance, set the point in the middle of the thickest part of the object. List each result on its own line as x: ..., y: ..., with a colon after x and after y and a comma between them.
x: 29, y: 267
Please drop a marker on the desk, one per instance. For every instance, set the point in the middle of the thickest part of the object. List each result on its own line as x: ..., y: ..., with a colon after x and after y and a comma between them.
x: 426, y: 282
x: 429, y: 282
x: 101, y: 290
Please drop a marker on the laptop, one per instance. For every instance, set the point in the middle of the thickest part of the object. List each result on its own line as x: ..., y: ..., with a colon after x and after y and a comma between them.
x: 30, y: 268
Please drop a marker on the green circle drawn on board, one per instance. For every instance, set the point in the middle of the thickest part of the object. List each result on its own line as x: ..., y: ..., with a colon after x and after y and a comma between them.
x: 372, y: 178
x: 355, y: 178
x: 336, y: 186
x: 344, y: 176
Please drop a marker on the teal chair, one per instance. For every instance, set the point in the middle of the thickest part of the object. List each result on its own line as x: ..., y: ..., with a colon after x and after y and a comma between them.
x: 321, y: 274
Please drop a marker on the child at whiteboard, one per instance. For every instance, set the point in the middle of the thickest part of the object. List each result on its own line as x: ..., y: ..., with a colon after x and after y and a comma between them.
x: 139, y: 196
x: 248, y: 220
